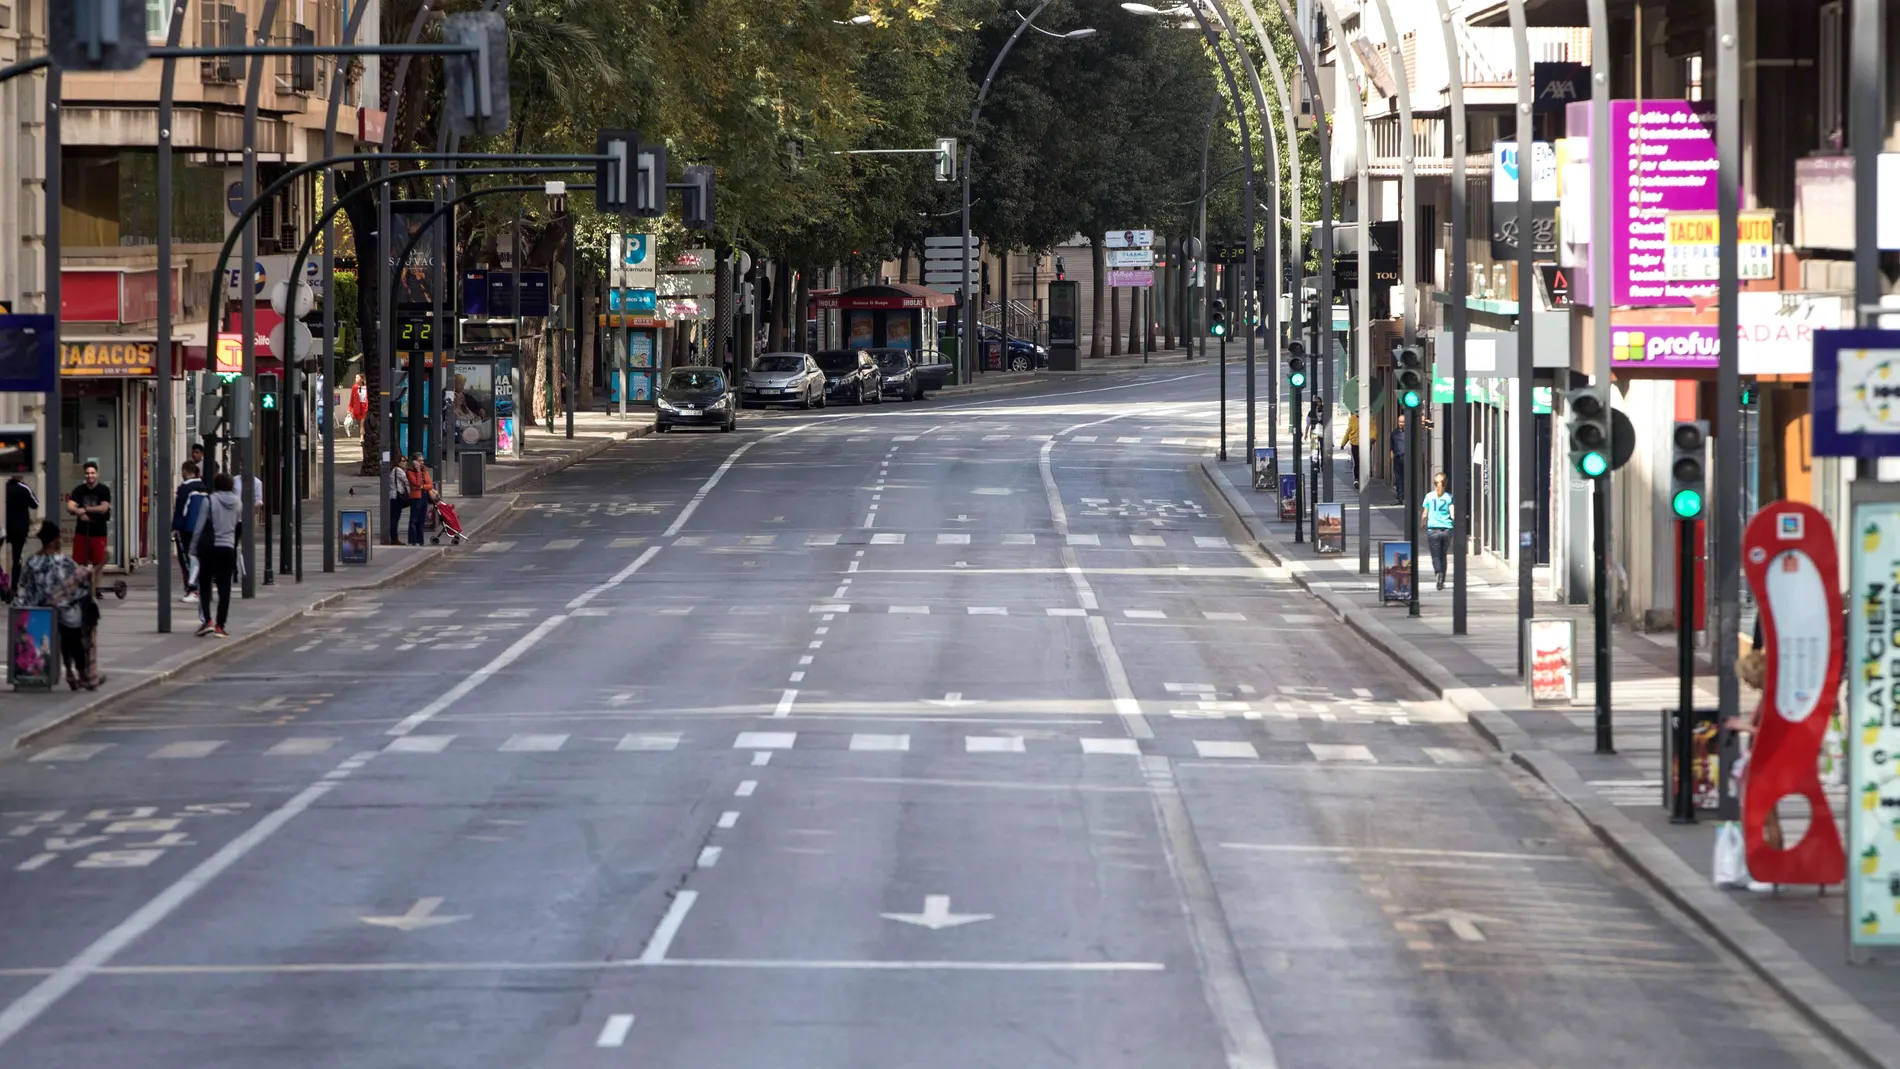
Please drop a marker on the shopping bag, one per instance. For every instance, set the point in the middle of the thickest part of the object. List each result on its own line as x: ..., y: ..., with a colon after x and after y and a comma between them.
x: 1730, y: 867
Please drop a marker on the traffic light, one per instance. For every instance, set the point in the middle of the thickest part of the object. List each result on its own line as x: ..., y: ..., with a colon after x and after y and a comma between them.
x: 946, y: 159
x: 1296, y: 372
x: 1688, y: 482
x: 1062, y: 270
x: 97, y: 35
x: 613, y: 178
x: 475, y: 88
x: 1589, y: 430
x: 1410, y: 377
x: 696, y: 209
x: 1217, y: 318
x: 210, y: 406
x: 239, y: 408
x: 267, y: 386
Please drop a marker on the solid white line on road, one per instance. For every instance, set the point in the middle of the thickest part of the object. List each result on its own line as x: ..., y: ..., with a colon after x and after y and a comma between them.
x: 480, y: 675
x: 1148, y: 541
x: 709, y: 856
x: 707, y: 488
x: 841, y: 591
x: 785, y: 701
x: 870, y: 518
x: 41, y: 996
x: 729, y: 819
x: 562, y: 543
x: 669, y: 929
x: 1085, y: 540
x: 887, y: 538
x: 614, y: 1032
x: 806, y: 659
x: 1226, y: 617
x: 1067, y: 612
x: 494, y: 547
x: 746, y: 787
x: 618, y: 578
x: 1397, y: 851
x: 920, y: 610
x: 947, y: 538
x: 1019, y: 540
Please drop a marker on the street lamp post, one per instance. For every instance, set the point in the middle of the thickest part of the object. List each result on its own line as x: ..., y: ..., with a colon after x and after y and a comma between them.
x: 1322, y: 357
x: 1526, y: 335
x: 1460, y: 310
x: 1362, y: 318
x: 970, y: 298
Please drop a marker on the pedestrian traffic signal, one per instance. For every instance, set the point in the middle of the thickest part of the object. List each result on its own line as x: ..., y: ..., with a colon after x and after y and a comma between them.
x: 1217, y: 318
x: 1410, y: 377
x: 1589, y: 430
x: 267, y: 391
x: 1688, y: 482
x: 1296, y: 365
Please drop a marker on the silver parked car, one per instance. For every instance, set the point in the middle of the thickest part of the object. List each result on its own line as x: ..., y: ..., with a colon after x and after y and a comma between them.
x: 785, y: 379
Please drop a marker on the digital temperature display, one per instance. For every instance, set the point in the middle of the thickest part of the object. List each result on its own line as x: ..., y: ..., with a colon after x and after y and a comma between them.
x: 415, y: 333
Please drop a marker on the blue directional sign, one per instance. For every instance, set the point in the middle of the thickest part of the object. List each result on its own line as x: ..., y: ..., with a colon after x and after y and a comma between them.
x: 29, y: 354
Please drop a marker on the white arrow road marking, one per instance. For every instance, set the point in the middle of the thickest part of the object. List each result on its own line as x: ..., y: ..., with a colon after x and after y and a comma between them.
x: 937, y: 916
x: 420, y: 915
x: 1462, y: 924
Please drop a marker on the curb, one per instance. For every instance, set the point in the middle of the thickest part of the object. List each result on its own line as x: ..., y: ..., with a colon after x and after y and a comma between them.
x: 39, y: 727
x: 1838, y: 1015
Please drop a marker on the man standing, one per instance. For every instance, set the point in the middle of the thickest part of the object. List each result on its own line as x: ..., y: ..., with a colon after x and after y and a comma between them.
x: 398, y: 498
x: 207, y: 468
x: 187, y: 503
x: 421, y: 494
x: 21, y: 504
x: 91, y: 506
x: 1398, y: 458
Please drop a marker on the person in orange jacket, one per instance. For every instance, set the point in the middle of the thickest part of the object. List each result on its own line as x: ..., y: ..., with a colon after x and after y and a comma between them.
x: 421, y: 493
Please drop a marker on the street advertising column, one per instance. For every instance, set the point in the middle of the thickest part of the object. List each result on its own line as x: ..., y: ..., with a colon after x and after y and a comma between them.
x: 1873, y: 724
x: 1789, y: 558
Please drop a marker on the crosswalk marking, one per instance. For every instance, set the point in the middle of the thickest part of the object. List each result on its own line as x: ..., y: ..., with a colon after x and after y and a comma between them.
x: 1228, y: 617
x: 420, y: 744
x: 1147, y: 540
x: 649, y: 742
x: 1082, y: 438
x: 1446, y: 755
x: 562, y: 543
x: 1127, y: 441
x: 432, y: 614
x: 888, y: 538
x: 1225, y: 749
x: 690, y: 540
x: 73, y: 751
x: 919, y: 610
x: 1121, y: 747
x: 187, y: 749
x: 881, y: 538
x: 494, y: 547
x: 533, y: 743
x: 904, y: 438
x: 305, y: 747
x: 866, y: 741
x: 1144, y: 614
x: 1019, y: 540
x: 992, y: 744
x: 821, y: 540
x: 988, y: 610
x: 953, y: 538
x: 1329, y: 751
x: 626, y: 543
x: 1174, y: 441
x: 765, y: 740
x: 1208, y: 542
x: 994, y: 437
x: 830, y: 608
x: 1067, y: 612
x: 1085, y: 540
x: 758, y: 540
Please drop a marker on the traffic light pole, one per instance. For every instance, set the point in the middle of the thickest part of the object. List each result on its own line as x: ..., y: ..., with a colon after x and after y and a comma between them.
x: 1682, y: 801
x: 1299, y: 475
x: 1600, y: 606
x: 1414, y: 473
x: 1223, y: 398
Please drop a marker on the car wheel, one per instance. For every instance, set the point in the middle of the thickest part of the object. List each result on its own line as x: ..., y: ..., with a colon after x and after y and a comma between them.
x: 1018, y: 362
x: 824, y: 401
x: 731, y: 425
x: 661, y: 428
x: 805, y: 401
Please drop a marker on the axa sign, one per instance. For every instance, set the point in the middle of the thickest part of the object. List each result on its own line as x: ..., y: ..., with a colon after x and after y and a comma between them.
x: 1559, y: 83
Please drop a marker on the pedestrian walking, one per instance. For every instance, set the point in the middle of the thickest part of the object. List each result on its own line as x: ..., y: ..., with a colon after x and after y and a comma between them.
x: 53, y: 580
x: 359, y: 406
x: 22, y: 503
x: 1397, y: 445
x: 215, y: 539
x: 91, y: 506
x: 398, y: 498
x: 1435, y: 513
x: 1351, y: 441
x: 207, y: 467
x: 421, y: 494
x: 188, y: 504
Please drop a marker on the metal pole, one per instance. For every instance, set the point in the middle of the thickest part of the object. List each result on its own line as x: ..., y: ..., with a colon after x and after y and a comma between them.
x: 573, y: 321
x: 1362, y: 313
x: 522, y: 420
x: 329, y: 301
x: 247, y: 298
x: 1249, y: 285
x: 162, y: 424
x: 1460, y: 314
x: 1246, y: 147
x: 1682, y: 808
x: 1600, y: 344
x: 1290, y: 251
x: 53, y: 414
x: 1322, y: 355
x: 1867, y: 120
x: 385, y: 329
x: 1728, y: 384
x: 1408, y: 262
x: 1526, y: 313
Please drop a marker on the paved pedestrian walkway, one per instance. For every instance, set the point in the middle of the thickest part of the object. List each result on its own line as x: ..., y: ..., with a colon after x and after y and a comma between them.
x: 134, y: 654
x: 1794, y: 937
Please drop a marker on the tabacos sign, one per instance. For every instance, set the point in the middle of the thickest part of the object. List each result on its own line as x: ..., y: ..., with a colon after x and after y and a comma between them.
x: 1666, y: 346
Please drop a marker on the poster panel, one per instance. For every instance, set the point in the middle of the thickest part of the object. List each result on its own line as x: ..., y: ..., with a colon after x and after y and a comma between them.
x: 1329, y: 528
x: 1553, y: 651
x: 1395, y: 572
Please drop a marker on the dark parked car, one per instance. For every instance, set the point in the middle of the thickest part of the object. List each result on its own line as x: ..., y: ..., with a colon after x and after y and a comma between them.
x: 851, y: 375
x: 1024, y: 355
x: 910, y: 376
x: 785, y: 379
x: 694, y: 397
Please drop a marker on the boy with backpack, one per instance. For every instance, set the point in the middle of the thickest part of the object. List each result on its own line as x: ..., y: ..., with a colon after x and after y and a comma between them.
x: 187, y: 505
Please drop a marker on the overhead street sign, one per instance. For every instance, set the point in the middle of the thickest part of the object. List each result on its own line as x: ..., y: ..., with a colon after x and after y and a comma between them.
x: 952, y: 240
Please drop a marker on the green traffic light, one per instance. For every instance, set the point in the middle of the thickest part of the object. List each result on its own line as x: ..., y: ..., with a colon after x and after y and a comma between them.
x: 269, y: 400
x: 1409, y: 398
x: 1218, y: 330
x: 1593, y: 464
x: 1298, y: 379
x: 1687, y: 504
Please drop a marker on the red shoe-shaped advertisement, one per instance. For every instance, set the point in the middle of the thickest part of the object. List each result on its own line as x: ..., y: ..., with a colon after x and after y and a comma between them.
x: 1789, y: 557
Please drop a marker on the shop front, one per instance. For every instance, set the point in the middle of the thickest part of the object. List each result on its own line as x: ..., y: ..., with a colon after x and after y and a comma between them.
x: 896, y: 316
x: 108, y: 390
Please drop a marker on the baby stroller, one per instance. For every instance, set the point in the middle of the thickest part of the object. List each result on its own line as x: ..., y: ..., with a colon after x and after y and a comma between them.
x: 446, y: 523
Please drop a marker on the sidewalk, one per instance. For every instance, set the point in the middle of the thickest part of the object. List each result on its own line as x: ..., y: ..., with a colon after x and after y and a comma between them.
x: 1796, y: 940
x: 134, y: 656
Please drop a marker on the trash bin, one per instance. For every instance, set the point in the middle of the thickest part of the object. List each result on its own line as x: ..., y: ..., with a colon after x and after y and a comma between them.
x: 474, y: 474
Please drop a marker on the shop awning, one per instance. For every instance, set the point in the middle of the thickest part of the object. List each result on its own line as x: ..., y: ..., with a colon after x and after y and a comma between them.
x: 896, y: 295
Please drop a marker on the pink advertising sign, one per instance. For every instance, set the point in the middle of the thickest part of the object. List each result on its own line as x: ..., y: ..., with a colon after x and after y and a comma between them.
x: 1662, y: 160
x: 1131, y: 278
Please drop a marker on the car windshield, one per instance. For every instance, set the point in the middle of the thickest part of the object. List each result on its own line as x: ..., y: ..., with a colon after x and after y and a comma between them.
x: 779, y: 363
x: 838, y: 360
x: 695, y: 379
x: 893, y: 361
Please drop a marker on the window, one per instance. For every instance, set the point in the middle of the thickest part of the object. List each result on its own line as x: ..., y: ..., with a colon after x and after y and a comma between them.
x: 158, y: 14
x: 1831, y: 66
x: 221, y: 24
